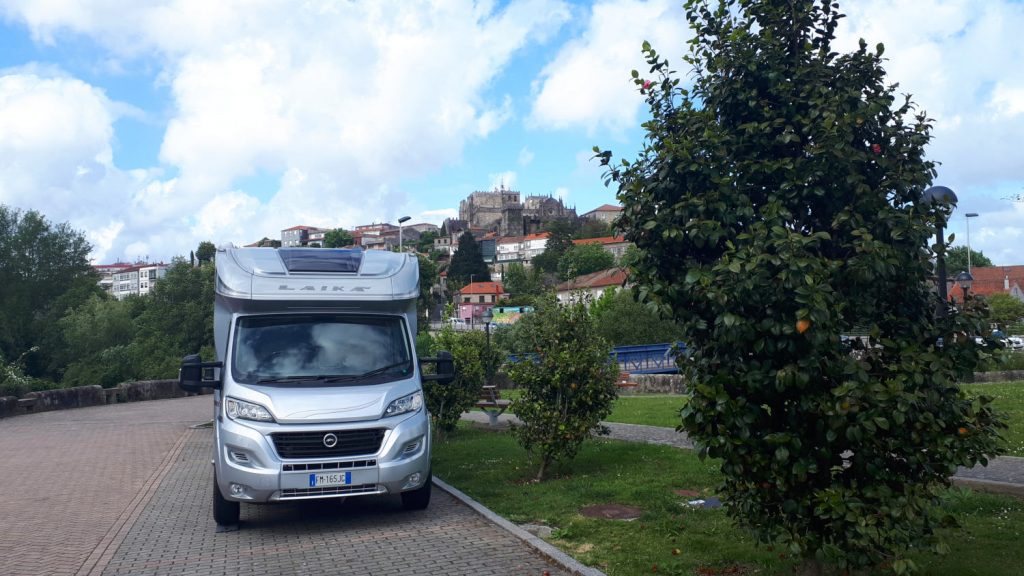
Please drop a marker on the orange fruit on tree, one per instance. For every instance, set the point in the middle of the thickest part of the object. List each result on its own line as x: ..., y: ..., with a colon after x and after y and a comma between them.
x: 802, y: 325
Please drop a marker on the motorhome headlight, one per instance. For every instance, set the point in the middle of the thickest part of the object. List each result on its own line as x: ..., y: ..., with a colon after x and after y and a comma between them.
x: 241, y: 410
x: 410, y: 403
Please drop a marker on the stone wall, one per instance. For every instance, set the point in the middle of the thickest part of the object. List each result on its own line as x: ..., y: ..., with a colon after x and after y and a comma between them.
x: 64, y: 398
x: 1003, y: 376
x: 82, y: 396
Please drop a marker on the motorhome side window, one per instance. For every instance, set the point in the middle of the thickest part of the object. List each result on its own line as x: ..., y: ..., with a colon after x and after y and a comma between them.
x: 360, y: 349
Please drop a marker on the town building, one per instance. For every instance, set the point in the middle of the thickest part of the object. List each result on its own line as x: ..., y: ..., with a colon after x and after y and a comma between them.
x: 614, y: 245
x: 592, y: 285
x: 605, y: 213
x: 122, y: 280
x: 990, y: 280
x: 477, y: 297
x: 299, y: 236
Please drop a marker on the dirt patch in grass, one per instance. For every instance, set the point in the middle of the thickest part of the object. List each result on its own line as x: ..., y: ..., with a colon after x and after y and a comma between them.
x: 612, y: 512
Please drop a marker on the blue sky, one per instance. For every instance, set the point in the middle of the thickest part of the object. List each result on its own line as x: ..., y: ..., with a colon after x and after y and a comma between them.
x: 152, y: 126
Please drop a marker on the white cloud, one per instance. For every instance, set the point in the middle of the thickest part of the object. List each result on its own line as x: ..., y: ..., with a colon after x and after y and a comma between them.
x: 960, y: 60
x: 562, y: 193
x: 587, y: 84
x: 506, y: 180
x: 343, y: 100
x: 525, y: 157
x: 438, y: 216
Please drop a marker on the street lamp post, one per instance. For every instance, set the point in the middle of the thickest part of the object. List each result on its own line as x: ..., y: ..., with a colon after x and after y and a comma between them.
x: 488, y: 316
x: 964, y: 279
x: 968, y: 217
x: 943, y: 196
x: 401, y: 247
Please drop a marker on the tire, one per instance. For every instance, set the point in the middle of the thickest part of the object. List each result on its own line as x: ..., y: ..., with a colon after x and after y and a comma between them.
x: 419, y: 498
x: 225, y: 512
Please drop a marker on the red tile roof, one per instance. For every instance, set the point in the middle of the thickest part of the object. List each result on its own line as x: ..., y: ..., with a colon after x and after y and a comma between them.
x: 536, y: 236
x: 601, y: 240
x: 601, y: 279
x: 992, y: 280
x: 301, y: 228
x: 607, y: 208
x: 483, y: 288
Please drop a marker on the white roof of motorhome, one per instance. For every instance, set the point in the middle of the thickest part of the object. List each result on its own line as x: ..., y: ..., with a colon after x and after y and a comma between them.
x: 318, y: 274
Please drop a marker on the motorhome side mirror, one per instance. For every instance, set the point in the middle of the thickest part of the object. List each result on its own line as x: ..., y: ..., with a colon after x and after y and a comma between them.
x: 194, y: 374
x: 445, y: 371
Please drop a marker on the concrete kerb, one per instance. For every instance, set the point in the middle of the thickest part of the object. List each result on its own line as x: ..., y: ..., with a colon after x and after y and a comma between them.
x: 547, y: 550
x: 990, y: 486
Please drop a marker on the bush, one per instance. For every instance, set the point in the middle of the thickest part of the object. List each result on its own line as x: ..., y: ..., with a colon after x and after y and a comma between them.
x: 568, y: 386
x: 447, y: 402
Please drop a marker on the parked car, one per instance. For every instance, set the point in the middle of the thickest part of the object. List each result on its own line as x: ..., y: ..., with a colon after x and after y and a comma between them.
x: 1015, y: 343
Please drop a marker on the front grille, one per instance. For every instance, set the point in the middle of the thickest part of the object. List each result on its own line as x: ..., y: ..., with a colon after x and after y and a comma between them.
x: 311, y: 444
x: 329, y: 466
x: 328, y: 491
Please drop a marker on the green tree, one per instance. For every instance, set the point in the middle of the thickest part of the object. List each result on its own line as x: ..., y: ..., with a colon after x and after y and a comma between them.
x: 98, y: 337
x: 429, y: 275
x: 447, y: 402
x: 778, y: 203
x: 623, y: 321
x: 468, y: 262
x: 519, y: 280
x: 956, y: 260
x: 44, y: 271
x: 630, y: 257
x: 425, y: 244
x: 583, y: 259
x: 568, y: 389
x: 177, y: 320
x: 338, y: 238
x: 206, y: 251
x: 560, y: 235
x: 1004, y: 309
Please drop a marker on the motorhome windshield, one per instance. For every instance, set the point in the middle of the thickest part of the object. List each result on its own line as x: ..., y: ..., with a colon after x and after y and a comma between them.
x: 320, y: 349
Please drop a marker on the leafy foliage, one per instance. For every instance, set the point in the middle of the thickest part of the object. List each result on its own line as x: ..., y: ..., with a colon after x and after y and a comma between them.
x: 956, y: 260
x: 567, y: 389
x: 425, y: 243
x: 592, y: 228
x: 206, y: 251
x: 1004, y: 309
x: 44, y: 271
x: 338, y: 238
x: 473, y: 358
x: 560, y: 235
x: 621, y: 320
x: 429, y: 275
x: 776, y: 205
x: 468, y: 262
x: 519, y: 280
x: 583, y: 259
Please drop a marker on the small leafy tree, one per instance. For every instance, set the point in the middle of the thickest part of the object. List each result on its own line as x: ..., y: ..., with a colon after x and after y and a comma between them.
x: 623, y: 321
x: 583, y: 259
x: 206, y: 251
x: 521, y: 281
x: 777, y: 204
x: 568, y: 387
x: 338, y: 238
x: 560, y: 235
x: 1004, y: 309
x: 447, y: 402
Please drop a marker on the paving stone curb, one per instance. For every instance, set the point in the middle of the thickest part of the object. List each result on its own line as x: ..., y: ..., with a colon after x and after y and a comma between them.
x: 991, y: 486
x: 547, y: 550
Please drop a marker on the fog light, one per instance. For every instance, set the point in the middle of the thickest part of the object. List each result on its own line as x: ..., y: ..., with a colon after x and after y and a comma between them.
x: 412, y: 480
x: 237, y: 489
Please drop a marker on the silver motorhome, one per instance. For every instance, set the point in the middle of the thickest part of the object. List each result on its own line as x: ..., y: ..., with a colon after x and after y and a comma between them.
x: 317, y: 388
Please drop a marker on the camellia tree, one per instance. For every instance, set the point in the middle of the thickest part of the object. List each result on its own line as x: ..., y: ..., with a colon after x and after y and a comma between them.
x: 777, y: 204
x: 567, y: 382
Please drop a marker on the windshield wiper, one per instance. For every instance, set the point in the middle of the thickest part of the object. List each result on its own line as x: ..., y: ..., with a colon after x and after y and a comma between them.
x: 330, y: 378
x: 382, y: 369
x: 287, y: 379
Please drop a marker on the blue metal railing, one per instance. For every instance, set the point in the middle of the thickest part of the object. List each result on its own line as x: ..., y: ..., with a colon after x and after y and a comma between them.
x: 643, y: 359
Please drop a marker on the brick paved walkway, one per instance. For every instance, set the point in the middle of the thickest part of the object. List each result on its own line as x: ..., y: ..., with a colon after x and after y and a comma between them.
x: 125, y: 489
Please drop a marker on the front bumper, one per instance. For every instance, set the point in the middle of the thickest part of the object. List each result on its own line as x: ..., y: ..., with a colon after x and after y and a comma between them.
x: 249, y: 468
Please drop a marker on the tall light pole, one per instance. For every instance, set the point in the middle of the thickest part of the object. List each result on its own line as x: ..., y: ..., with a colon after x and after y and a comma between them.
x: 941, y: 196
x: 401, y: 248
x: 968, y: 217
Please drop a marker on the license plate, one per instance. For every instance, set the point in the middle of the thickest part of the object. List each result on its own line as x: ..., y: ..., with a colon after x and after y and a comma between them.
x: 335, y: 479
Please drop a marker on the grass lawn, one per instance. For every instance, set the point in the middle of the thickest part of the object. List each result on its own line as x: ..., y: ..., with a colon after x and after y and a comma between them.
x: 664, y: 410
x: 677, y: 539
